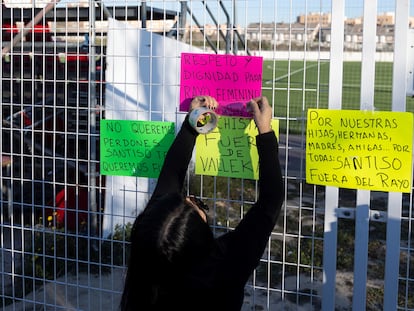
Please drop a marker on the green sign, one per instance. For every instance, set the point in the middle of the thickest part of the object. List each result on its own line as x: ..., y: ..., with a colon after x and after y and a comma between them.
x: 134, y: 148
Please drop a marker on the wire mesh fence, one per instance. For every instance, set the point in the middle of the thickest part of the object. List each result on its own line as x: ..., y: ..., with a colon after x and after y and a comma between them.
x: 65, y: 227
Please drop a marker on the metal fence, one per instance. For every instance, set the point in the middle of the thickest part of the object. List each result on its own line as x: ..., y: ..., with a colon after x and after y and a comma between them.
x: 67, y: 65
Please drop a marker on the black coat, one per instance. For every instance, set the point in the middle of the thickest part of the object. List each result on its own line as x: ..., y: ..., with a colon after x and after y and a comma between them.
x: 216, y: 281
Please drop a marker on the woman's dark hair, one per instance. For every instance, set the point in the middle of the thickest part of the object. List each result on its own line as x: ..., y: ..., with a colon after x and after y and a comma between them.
x: 165, y: 239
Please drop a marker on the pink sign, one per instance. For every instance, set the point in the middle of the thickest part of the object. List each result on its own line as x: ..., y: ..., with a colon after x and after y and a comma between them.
x: 231, y: 80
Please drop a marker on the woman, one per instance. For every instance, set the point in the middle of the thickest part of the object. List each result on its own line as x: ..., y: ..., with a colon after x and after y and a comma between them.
x: 176, y: 263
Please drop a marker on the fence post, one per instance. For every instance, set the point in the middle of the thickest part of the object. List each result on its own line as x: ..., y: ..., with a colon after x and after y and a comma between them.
x: 92, y: 120
x: 362, y: 215
x: 399, y: 90
x: 331, y: 201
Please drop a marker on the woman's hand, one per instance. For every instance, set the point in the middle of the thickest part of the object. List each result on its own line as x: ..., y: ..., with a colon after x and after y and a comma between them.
x: 262, y: 113
x: 204, y: 101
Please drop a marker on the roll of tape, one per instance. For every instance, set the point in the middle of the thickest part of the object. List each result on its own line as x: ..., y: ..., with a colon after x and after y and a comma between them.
x: 203, y: 120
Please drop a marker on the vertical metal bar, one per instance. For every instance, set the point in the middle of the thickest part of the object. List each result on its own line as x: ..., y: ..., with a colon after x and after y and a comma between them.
x: 399, y: 88
x: 392, y: 257
x: 331, y: 200
x: 183, y: 21
x: 363, y: 196
x: 361, y: 250
x: 9, y: 192
x: 143, y: 14
x: 228, y: 27
x: 92, y: 125
x: 329, y: 249
x: 368, y: 55
x: 235, y: 45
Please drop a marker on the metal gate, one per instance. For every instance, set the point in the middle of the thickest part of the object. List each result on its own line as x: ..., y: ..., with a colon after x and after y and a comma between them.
x: 67, y: 65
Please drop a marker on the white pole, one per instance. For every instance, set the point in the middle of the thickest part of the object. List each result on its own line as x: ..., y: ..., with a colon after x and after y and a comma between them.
x: 332, y: 193
x: 362, y: 215
x: 399, y: 91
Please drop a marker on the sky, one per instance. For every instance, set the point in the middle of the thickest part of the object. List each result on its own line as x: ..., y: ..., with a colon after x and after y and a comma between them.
x: 248, y: 11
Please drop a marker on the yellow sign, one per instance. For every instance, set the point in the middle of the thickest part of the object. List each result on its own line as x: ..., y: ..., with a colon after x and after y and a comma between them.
x: 354, y: 149
x: 230, y: 150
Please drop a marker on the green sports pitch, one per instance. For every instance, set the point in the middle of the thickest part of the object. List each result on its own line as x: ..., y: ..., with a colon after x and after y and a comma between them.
x: 295, y: 86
